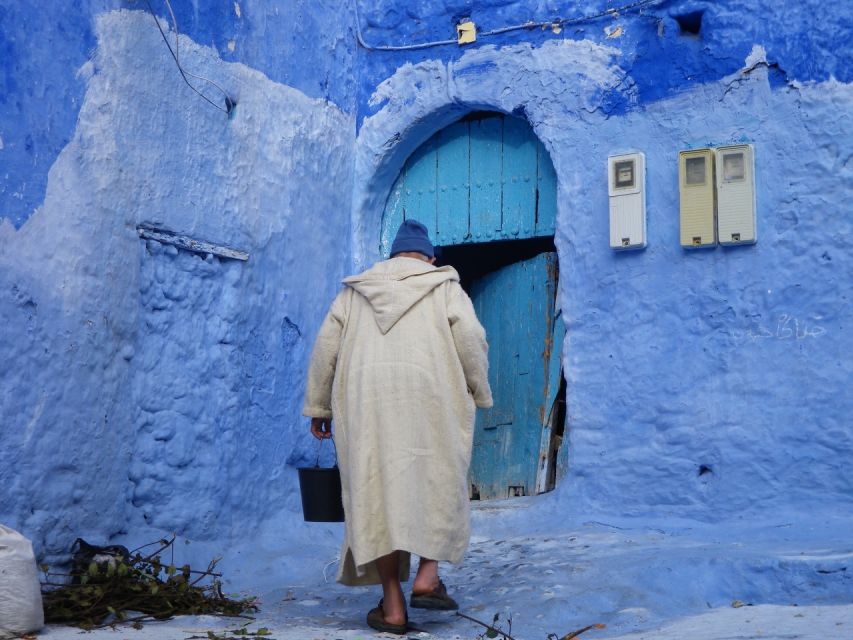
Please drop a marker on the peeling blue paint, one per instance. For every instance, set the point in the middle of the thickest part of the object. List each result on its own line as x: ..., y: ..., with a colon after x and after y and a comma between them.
x: 43, y: 45
x: 40, y: 94
x: 801, y: 40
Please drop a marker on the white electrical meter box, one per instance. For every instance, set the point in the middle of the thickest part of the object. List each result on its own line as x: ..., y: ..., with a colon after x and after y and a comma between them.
x: 697, y: 198
x: 626, y: 186
x: 735, y: 194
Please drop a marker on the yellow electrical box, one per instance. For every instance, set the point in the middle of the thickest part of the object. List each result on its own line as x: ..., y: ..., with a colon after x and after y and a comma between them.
x: 697, y: 198
x: 735, y: 194
x: 466, y: 32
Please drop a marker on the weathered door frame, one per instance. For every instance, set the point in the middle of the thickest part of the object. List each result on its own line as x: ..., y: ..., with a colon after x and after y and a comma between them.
x: 422, y: 192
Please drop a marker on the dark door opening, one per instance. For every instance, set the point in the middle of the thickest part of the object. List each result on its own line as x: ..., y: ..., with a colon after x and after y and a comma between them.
x: 473, y: 261
x: 513, y: 287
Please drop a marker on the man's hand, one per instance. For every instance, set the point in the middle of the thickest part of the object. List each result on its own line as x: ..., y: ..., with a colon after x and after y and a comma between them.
x: 321, y: 428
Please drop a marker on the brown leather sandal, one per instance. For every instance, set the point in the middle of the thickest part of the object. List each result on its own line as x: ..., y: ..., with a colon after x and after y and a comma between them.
x: 376, y: 620
x: 437, y: 599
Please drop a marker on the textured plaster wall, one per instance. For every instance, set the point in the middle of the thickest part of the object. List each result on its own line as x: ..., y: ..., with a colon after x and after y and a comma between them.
x: 800, y: 38
x: 305, y: 45
x: 174, y: 380
x: 704, y: 384
x: 148, y: 386
x: 40, y: 95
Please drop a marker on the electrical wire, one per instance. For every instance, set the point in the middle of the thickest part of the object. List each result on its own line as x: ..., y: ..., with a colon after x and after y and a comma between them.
x: 229, y: 103
x: 175, y: 26
x: 558, y: 22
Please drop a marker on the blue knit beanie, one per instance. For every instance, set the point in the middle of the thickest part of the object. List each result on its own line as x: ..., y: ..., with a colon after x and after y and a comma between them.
x: 412, y: 236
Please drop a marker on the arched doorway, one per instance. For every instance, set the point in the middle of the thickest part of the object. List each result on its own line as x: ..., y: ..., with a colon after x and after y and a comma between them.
x: 486, y: 189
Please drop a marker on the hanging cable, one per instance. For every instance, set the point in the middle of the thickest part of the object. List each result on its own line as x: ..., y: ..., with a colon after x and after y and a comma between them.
x: 229, y: 102
x: 175, y: 26
x: 547, y: 24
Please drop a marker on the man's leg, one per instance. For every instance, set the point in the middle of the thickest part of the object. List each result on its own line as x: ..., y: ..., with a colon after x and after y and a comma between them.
x: 428, y: 592
x: 389, y: 572
x: 426, y: 579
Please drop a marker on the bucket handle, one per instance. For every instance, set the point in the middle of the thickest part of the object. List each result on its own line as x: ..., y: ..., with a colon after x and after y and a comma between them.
x: 319, y: 449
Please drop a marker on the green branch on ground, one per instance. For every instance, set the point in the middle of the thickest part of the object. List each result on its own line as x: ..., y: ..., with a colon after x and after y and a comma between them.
x: 135, y: 590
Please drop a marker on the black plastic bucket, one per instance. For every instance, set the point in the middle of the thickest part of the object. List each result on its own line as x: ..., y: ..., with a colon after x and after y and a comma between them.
x: 321, y: 494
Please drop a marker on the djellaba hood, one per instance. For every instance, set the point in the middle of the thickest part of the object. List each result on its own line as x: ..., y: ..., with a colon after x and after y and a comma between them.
x: 394, y: 286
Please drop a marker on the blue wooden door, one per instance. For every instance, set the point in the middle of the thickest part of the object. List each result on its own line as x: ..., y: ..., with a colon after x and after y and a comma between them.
x: 488, y: 179
x: 517, y: 306
x: 481, y: 179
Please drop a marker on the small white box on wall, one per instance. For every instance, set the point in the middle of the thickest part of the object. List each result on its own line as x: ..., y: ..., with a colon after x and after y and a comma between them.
x: 697, y: 198
x: 736, y: 194
x: 626, y: 186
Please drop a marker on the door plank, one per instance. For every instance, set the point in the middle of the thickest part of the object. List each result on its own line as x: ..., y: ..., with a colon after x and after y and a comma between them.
x: 486, y: 135
x: 534, y: 322
x: 452, y: 168
x: 519, y: 180
x: 552, y: 361
x: 491, y: 295
x: 546, y: 202
x: 420, y: 185
x: 516, y: 306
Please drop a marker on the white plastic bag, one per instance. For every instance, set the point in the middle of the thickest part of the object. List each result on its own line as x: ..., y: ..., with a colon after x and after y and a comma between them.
x: 20, y: 592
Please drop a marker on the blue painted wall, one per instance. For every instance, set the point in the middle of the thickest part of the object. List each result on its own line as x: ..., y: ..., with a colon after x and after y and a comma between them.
x: 40, y: 95
x: 172, y: 378
x: 176, y: 379
x: 801, y: 39
x: 711, y: 384
x: 306, y: 46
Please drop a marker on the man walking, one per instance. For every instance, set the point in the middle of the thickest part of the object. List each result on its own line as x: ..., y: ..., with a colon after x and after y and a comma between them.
x: 400, y: 363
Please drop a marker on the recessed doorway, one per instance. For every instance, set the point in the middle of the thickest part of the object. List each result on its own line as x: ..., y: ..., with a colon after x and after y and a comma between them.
x: 486, y: 189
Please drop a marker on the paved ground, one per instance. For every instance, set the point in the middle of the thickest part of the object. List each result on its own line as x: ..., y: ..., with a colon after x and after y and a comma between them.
x: 774, y: 581
x: 764, y: 622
